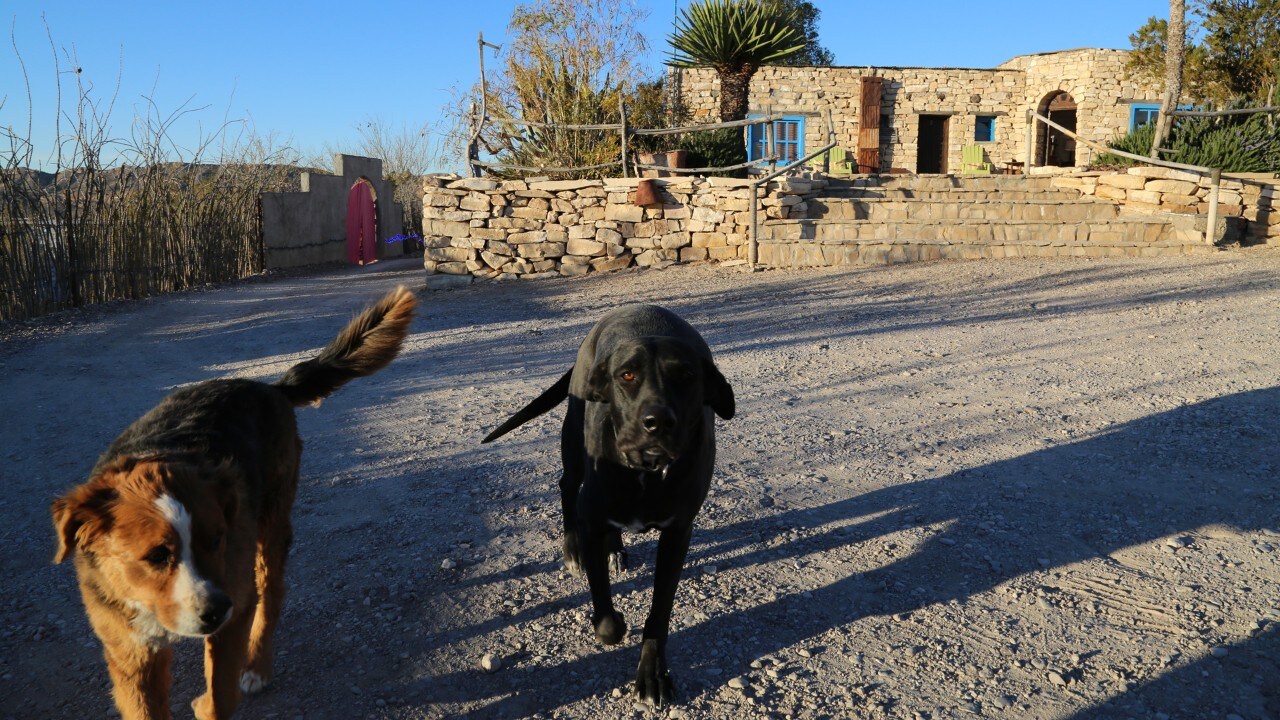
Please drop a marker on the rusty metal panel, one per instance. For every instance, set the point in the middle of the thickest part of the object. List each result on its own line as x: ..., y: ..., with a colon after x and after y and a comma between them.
x: 869, y: 126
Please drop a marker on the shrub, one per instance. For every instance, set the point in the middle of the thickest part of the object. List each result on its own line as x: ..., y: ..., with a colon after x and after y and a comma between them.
x: 1234, y: 143
x: 716, y: 148
x: 1137, y: 142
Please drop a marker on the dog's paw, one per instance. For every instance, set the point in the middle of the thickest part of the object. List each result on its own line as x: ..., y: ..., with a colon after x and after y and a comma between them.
x: 573, y: 567
x: 653, y: 680
x: 618, y: 562
x: 655, y: 688
x: 572, y: 558
x: 609, y: 628
x: 252, y: 683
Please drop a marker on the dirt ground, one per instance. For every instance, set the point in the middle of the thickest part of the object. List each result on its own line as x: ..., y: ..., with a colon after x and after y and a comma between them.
x: 1022, y: 489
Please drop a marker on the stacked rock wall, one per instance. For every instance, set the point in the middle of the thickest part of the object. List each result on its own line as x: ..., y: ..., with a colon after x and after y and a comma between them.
x: 1095, y: 78
x: 1159, y: 191
x: 490, y: 228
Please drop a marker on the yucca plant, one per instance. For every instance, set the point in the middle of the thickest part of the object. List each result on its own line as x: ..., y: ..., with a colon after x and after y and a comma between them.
x: 735, y: 37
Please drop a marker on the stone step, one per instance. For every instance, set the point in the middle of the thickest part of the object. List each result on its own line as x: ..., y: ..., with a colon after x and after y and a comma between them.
x: 888, y: 252
x: 945, y: 182
x: 958, y: 195
x: 1124, y: 230
x: 946, y: 208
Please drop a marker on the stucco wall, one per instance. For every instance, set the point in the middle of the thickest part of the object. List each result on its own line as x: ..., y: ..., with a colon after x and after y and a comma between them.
x: 1095, y: 78
x: 309, y: 227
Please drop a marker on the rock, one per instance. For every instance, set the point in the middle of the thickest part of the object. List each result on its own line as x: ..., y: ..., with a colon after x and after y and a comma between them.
x: 1219, y: 652
x: 738, y: 683
x: 1178, y: 542
x: 1004, y: 702
x: 447, y: 282
x: 1056, y: 678
x: 448, y: 564
x: 490, y: 663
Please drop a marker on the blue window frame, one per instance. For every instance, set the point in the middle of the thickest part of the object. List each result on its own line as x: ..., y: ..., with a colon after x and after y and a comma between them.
x: 1140, y: 114
x: 788, y: 139
x: 984, y: 128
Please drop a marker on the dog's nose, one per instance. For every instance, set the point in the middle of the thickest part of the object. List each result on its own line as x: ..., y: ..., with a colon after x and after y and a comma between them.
x: 658, y: 420
x: 215, y: 612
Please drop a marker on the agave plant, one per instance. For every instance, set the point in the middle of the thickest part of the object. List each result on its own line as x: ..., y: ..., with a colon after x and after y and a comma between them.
x: 735, y: 37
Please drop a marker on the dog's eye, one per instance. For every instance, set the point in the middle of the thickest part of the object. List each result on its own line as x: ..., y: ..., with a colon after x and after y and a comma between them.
x: 159, y: 556
x: 628, y: 376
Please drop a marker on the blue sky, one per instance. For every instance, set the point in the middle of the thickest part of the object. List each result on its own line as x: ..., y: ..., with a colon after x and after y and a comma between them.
x: 311, y: 72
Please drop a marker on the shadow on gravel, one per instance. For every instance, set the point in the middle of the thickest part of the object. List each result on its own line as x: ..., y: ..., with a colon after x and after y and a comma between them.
x: 749, y: 315
x: 1247, y: 682
x: 1174, y: 473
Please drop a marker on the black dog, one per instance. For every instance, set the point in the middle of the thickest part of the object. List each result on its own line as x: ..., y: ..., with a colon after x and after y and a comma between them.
x: 638, y: 447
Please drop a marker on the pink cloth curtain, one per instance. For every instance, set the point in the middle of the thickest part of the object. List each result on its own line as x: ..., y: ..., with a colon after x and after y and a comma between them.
x: 362, y: 225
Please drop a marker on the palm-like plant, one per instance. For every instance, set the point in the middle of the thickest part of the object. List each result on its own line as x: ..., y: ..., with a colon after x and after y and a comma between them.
x: 735, y: 37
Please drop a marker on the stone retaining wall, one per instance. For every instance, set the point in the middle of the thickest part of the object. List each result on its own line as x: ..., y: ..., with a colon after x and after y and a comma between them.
x: 1159, y: 191
x: 489, y: 228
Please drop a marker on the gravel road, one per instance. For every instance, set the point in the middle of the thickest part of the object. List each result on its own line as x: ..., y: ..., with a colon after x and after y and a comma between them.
x: 1022, y: 489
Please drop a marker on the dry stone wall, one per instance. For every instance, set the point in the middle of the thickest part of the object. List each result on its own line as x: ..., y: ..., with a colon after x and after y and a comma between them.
x: 475, y: 227
x: 1160, y: 191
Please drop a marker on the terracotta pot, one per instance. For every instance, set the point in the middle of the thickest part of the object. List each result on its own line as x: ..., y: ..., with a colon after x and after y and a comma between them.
x: 647, y: 193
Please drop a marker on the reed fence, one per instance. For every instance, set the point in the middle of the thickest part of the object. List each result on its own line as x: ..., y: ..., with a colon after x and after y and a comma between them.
x: 94, y: 237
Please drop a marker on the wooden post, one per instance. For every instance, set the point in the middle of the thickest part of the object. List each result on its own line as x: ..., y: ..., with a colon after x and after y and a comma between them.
x: 1031, y: 140
x: 622, y: 113
x: 1211, y: 224
x: 831, y: 136
x: 473, y: 145
x: 770, y: 141
x: 753, y: 248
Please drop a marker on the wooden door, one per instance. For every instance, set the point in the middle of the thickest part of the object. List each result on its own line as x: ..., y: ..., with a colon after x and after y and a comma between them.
x: 869, y: 126
x: 362, y: 223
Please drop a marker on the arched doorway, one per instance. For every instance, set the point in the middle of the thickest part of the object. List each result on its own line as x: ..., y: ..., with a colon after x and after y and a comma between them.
x: 1053, y: 147
x: 362, y: 223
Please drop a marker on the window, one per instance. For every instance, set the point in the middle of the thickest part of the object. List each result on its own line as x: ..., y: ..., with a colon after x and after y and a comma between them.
x: 886, y: 130
x: 1140, y: 115
x: 984, y: 128
x: 788, y: 139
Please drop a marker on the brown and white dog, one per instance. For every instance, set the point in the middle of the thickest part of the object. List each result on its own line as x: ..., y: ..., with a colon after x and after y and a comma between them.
x: 183, y: 527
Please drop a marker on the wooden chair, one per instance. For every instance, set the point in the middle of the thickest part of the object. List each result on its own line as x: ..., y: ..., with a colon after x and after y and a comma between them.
x: 840, y: 161
x: 972, y: 161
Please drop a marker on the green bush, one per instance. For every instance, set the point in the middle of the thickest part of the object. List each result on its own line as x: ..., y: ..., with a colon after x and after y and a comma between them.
x: 1137, y: 142
x: 716, y: 148
x: 1234, y: 143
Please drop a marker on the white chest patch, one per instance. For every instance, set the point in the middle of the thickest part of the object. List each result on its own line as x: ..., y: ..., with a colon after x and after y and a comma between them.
x: 147, y: 629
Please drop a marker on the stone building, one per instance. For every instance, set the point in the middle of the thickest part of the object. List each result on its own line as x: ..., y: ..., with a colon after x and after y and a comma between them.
x: 919, y: 119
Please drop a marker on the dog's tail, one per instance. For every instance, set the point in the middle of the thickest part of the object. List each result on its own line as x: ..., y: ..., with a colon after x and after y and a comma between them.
x: 549, y: 398
x: 364, y: 347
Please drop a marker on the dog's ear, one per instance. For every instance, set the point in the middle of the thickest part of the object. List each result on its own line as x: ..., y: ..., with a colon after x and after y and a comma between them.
x: 598, y: 383
x: 79, y: 516
x: 716, y: 391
